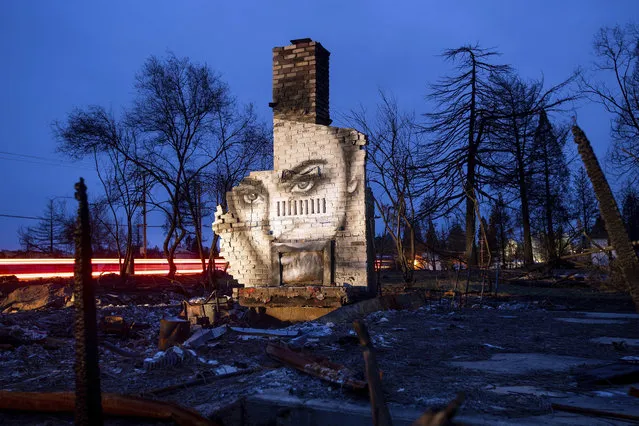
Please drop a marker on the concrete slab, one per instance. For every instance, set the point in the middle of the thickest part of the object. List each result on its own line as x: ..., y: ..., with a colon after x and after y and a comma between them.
x: 525, y: 390
x: 563, y: 419
x: 287, y: 410
x: 593, y: 321
x: 609, y: 340
x: 609, y: 315
x: 526, y: 363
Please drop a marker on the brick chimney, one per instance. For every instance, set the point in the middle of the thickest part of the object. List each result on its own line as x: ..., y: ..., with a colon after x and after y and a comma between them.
x: 300, y: 82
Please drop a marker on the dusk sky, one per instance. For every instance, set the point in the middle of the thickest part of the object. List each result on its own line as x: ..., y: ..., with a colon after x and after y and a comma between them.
x: 67, y: 54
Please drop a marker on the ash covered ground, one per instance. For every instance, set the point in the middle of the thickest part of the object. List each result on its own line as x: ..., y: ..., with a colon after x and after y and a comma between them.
x: 424, y: 354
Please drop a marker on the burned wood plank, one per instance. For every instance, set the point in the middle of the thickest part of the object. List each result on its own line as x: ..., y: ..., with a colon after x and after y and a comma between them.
x: 200, y: 337
x: 316, y: 366
x: 112, y: 404
x: 616, y: 374
x: 593, y: 412
x: 200, y: 381
x: 380, y: 413
x: 266, y: 332
x: 118, y: 350
x: 440, y: 418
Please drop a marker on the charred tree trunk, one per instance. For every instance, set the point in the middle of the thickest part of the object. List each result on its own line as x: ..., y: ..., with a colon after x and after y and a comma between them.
x: 470, y: 172
x: 210, y: 269
x: 550, y: 229
x: 626, y: 257
x: 410, y: 262
x: 88, y: 405
x: 525, y: 217
x: 168, y: 253
x: 471, y: 255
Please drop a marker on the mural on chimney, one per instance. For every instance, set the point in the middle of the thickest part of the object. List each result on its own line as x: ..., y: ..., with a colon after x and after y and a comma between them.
x: 305, y: 222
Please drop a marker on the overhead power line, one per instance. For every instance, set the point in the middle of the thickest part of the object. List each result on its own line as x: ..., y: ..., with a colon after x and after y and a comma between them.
x: 21, y: 217
x: 15, y: 216
x: 34, y: 159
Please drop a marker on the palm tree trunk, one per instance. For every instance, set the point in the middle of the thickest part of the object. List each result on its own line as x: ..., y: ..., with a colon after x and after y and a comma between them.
x: 626, y: 257
x: 88, y: 405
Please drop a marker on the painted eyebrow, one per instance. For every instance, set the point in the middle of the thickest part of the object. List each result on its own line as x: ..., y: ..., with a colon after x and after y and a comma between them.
x: 288, y: 174
x: 248, y: 183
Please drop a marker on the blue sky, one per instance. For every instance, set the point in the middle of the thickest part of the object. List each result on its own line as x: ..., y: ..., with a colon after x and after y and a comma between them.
x: 61, y: 55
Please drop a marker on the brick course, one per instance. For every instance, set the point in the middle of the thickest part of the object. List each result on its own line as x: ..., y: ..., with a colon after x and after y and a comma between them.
x: 301, y: 82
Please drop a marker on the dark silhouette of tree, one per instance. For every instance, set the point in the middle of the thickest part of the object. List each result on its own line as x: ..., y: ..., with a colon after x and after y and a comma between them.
x: 549, y: 187
x: 52, y: 235
x: 118, y: 173
x: 393, y: 140
x: 433, y: 244
x: 617, y: 51
x: 114, y: 212
x: 456, y: 240
x: 516, y: 107
x: 584, y: 204
x: 459, y: 125
x: 179, y: 126
x: 630, y: 212
x: 102, y: 239
x: 499, y: 230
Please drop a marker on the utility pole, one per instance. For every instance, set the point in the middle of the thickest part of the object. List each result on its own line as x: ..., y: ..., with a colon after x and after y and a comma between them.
x: 51, y: 227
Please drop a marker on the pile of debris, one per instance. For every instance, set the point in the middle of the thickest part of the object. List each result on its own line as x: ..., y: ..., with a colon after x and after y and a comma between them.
x: 207, y: 353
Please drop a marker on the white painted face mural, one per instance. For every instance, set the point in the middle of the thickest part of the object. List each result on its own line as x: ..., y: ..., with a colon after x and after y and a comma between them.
x: 284, y: 222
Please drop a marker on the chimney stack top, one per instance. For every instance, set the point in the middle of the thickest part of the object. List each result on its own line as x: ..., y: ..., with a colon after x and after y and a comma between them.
x: 300, y: 82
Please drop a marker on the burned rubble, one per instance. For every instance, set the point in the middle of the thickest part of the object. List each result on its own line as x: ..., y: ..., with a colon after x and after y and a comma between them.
x: 512, y: 356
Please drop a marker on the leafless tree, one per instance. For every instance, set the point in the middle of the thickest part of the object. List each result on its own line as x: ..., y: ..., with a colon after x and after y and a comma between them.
x: 52, y: 235
x: 584, y: 204
x: 393, y: 141
x: 459, y: 123
x: 123, y: 191
x: 118, y: 173
x: 250, y: 147
x: 617, y: 51
x: 499, y: 230
x: 175, y: 136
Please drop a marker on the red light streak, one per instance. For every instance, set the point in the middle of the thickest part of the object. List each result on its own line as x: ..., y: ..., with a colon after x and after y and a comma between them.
x: 49, y: 268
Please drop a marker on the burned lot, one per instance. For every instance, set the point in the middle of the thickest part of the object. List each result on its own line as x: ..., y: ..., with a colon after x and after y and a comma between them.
x: 513, y: 355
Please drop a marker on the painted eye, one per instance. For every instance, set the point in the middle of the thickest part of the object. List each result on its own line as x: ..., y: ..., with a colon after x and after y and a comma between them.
x: 304, y: 184
x: 250, y: 197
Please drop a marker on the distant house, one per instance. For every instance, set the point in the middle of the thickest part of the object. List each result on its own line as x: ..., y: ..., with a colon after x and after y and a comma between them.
x: 385, y: 262
x: 429, y: 261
